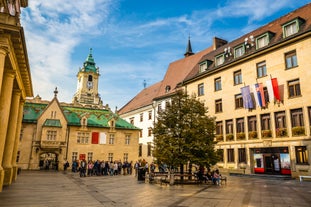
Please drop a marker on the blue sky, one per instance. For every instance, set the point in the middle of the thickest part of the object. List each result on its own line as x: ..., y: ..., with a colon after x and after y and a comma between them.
x: 132, y: 40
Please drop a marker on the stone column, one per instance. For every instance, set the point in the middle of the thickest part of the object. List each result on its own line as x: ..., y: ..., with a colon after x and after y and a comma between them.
x: 17, y: 136
x: 5, y: 103
x: 10, y: 138
x: 3, y: 54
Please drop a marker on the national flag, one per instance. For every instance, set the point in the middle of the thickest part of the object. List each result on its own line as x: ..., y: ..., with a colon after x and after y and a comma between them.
x: 247, y: 98
x: 102, y: 138
x: 95, y: 136
x: 273, y: 89
x: 260, y: 94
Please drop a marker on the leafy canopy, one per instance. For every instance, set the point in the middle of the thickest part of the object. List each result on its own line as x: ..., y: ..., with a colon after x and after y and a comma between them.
x: 183, y: 132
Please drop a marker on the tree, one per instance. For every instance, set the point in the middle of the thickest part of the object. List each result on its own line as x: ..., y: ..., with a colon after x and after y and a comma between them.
x: 184, y: 133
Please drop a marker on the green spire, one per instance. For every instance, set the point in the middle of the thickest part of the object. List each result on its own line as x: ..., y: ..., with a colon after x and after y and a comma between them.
x: 89, y: 64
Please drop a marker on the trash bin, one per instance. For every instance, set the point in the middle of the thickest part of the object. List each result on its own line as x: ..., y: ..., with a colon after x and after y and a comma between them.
x: 141, y: 174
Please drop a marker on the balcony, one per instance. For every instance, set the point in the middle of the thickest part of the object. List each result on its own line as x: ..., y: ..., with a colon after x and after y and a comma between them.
x: 281, y: 132
x: 219, y: 137
x: 229, y: 137
x: 240, y: 136
x: 266, y: 133
x: 252, y: 135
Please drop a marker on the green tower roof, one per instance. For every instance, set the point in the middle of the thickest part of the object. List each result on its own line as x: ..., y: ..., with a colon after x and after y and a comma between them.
x: 89, y: 64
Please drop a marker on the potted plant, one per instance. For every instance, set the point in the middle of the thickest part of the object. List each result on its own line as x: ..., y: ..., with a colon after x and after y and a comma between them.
x: 252, y: 135
x: 281, y: 132
x: 299, y: 130
x: 229, y: 137
x: 266, y: 133
x: 240, y: 135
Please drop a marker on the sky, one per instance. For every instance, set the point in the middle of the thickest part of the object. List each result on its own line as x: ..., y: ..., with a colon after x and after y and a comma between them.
x: 132, y: 41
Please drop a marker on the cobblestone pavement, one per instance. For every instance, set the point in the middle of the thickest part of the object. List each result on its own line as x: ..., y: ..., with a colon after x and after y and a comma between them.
x: 54, y: 189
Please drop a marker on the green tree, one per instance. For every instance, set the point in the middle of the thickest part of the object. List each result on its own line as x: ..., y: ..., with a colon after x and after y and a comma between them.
x: 184, y: 132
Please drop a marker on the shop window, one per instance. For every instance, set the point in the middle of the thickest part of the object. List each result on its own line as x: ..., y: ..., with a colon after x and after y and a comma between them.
x: 242, y: 155
x: 237, y: 76
x: 301, y: 155
x: 218, y: 106
x: 238, y: 101
x: 294, y: 88
x: 201, y: 89
x: 230, y: 155
x: 291, y: 60
x: 261, y: 69
x: 217, y: 82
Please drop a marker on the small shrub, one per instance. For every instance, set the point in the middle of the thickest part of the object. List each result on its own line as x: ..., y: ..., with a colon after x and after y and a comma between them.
x: 229, y: 137
x: 266, y: 133
x: 296, y: 131
x: 252, y: 135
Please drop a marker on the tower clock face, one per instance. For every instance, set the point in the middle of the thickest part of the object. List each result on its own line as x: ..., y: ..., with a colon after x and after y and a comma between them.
x: 90, y: 84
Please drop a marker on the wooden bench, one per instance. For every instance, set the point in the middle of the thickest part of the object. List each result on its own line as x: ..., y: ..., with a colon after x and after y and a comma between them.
x: 301, y: 177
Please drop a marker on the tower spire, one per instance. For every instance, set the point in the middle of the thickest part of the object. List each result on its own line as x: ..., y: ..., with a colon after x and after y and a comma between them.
x: 189, y: 48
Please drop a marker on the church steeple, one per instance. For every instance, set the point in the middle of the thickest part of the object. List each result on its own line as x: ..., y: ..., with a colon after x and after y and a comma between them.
x: 189, y: 48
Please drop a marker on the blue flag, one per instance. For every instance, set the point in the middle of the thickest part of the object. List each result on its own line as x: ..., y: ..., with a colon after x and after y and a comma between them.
x: 247, y: 98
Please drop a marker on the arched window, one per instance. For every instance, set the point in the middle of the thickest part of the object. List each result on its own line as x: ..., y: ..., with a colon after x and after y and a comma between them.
x: 90, y: 78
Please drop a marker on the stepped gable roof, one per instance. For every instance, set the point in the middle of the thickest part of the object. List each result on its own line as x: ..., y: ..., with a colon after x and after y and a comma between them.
x: 178, y: 71
x: 143, y: 98
x: 95, y: 117
x: 274, y: 28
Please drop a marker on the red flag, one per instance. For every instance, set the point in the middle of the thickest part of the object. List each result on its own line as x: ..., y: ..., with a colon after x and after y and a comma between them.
x: 275, y: 87
x: 95, y: 136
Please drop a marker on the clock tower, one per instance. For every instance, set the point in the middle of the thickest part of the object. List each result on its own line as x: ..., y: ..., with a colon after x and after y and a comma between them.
x: 87, y: 86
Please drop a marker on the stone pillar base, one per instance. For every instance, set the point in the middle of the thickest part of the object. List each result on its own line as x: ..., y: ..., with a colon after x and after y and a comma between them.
x: 1, y: 178
x: 14, y: 173
x: 8, y: 174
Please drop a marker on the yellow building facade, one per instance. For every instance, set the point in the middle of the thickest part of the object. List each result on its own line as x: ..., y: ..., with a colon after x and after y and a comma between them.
x: 53, y: 132
x: 257, y: 87
x: 15, y: 86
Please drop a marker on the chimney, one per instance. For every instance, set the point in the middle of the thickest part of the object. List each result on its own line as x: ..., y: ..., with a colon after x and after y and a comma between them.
x: 217, y: 42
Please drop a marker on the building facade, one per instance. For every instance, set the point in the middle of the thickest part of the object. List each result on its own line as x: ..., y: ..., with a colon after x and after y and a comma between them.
x: 257, y: 87
x: 15, y: 86
x: 53, y: 132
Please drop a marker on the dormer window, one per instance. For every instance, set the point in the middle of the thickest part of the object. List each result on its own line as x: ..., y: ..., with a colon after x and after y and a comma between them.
x: 263, y: 40
x: 239, y: 51
x: 220, y: 59
x: 203, y: 67
x: 292, y: 27
x: 167, y: 88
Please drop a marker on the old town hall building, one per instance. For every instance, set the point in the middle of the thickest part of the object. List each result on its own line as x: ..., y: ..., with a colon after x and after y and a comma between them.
x: 54, y: 132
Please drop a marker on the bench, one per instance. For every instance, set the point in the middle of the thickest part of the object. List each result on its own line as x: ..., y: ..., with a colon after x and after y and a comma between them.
x: 301, y: 177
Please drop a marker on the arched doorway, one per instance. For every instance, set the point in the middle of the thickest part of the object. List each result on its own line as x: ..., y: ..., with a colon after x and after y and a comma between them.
x: 48, y: 161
